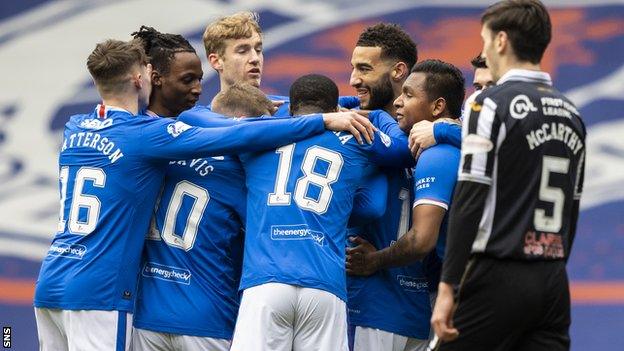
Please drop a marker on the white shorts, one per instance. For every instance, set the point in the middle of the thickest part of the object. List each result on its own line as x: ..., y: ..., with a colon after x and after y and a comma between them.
x: 93, y: 330
x: 371, y: 339
x: 278, y: 317
x: 147, y: 340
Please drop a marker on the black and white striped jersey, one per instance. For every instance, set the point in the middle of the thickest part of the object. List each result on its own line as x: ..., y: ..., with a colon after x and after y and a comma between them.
x: 526, y: 142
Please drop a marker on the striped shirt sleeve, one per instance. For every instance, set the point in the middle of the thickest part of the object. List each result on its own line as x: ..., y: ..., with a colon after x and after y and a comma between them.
x: 482, y: 134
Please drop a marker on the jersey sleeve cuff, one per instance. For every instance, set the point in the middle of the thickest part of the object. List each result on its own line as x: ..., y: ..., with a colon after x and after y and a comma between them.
x: 430, y: 202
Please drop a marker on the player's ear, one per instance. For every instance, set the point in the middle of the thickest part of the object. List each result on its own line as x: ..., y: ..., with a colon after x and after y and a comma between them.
x: 400, y: 71
x: 501, y: 41
x: 437, y: 107
x: 215, y: 61
x: 156, y: 78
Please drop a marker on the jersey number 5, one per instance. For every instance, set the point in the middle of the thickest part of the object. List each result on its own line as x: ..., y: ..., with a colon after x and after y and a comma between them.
x: 280, y: 197
x: 554, y: 195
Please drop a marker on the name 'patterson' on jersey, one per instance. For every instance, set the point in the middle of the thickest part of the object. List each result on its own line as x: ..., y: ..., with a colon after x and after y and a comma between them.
x: 554, y: 131
x: 94, y: 141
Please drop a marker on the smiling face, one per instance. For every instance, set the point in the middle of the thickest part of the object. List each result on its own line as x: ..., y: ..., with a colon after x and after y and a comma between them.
x: 371, y: 78
x: 179, y: 89
x: 241, y: 61
x: 413, y: 105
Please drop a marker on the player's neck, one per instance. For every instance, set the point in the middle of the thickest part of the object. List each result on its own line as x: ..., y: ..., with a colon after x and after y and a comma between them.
x: 390, y: 109
x: 306, y: 110
x: 159, y: 109
x: 130, y: 104
x: 507, y: 64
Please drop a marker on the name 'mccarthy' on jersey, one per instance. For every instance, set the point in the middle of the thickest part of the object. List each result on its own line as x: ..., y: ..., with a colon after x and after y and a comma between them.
x: 111, y: 168
x: 299, y: 199
x: 526, y: 141
x: 193, y: 254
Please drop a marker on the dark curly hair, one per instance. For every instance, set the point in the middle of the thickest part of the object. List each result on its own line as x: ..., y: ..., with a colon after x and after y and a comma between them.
x: 313, y: 90
x: 443, y: 80
x: 394, y: 42
x: 161, y: 47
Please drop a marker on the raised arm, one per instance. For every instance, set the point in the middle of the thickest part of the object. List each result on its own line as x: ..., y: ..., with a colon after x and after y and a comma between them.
x: 165, y: 139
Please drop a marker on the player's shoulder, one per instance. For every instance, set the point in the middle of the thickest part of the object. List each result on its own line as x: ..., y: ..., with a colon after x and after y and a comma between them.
x: 378, y: 117
x: 439, y: 156
x: 202, y: 116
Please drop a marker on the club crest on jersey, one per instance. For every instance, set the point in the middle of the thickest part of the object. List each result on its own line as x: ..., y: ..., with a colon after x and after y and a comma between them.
x: 177, y: 128
x: 520, y: 107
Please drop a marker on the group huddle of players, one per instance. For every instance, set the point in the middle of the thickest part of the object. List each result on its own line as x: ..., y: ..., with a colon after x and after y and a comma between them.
x: 304, y: 222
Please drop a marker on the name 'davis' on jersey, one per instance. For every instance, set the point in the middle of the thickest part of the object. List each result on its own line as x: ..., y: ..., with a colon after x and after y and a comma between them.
x: 200, y: 165
x: 94, y: 141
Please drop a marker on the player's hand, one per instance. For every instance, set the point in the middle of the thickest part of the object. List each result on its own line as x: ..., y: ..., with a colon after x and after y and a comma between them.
x: 421, y: 137
x: 361, y: 259
x: 276, y: 105
x: 351, y: 122
x: 442, y: 316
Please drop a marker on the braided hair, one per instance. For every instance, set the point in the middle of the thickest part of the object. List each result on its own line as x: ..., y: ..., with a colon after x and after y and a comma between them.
x: 161, y: 47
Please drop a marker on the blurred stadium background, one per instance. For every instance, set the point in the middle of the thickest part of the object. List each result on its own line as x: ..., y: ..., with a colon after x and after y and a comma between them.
x: 43, y: 50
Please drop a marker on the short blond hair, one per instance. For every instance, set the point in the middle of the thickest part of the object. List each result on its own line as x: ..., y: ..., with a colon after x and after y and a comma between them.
x: 237, y: 26
x: 111, y: 62
x: 242, y: 100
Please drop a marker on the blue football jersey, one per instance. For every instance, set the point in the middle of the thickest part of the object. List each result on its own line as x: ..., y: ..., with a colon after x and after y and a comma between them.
x: 396, y: 299
x: 193, y: 255
x: 435, y: 176
x: 299, y: 199
x: 112, y: 165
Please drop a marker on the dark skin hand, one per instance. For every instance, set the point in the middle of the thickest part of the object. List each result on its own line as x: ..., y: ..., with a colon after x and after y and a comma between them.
x: 360, y: 259
x: 364, y: 259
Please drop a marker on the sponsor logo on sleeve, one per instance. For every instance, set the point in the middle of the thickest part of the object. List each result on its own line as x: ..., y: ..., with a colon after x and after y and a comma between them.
x: 177, y: 128
x: 296, y: 232
x: 385, y: 139
x: 520, y: 107
x: 476, y: 144
x: 74, y: 251
x: 167, y: 273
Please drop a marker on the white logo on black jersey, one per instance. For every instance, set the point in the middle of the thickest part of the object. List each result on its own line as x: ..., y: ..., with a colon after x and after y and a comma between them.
x: 520, y: 107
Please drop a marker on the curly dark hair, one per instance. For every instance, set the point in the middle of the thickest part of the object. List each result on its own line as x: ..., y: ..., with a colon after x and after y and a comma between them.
x: 313, y: 90
x: 161, y: 47
x: 394, y: 42
x: 443, y: 80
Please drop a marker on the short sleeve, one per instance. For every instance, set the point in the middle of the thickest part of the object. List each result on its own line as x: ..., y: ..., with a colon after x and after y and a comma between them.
x: 435, y: 176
